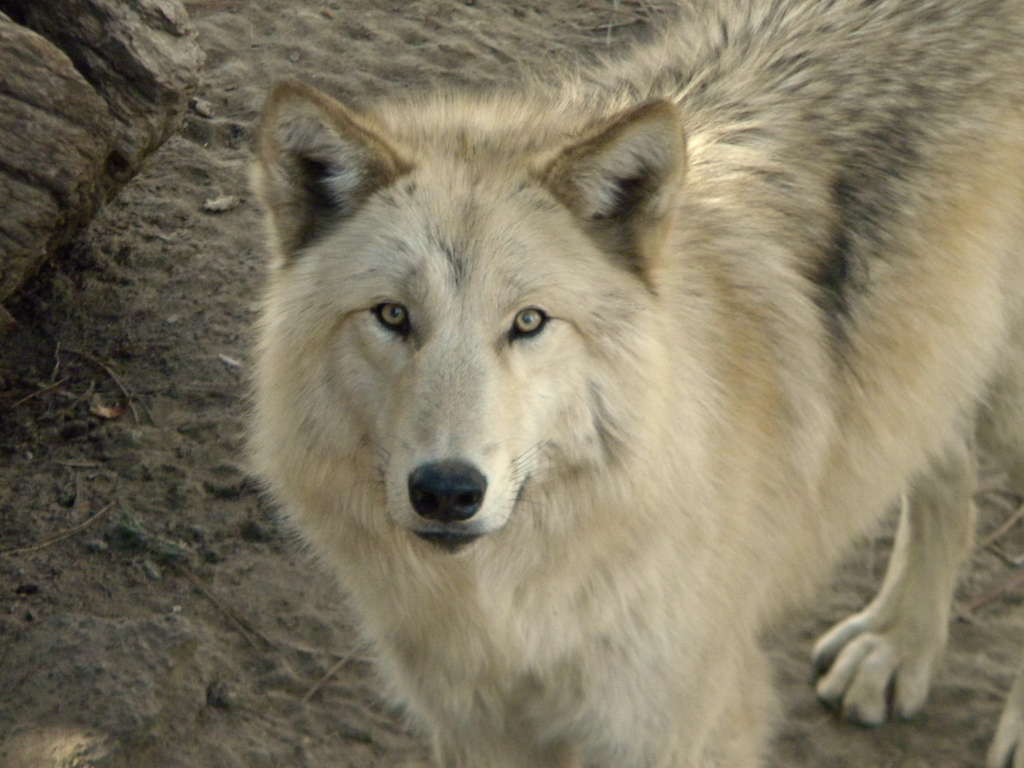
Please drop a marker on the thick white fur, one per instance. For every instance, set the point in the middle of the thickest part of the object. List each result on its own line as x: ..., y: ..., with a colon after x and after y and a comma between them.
x: 688, y: 445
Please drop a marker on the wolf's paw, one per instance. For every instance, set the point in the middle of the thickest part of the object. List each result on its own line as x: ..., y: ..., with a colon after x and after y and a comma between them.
x: 1007, y: 750
x: 871, y: 674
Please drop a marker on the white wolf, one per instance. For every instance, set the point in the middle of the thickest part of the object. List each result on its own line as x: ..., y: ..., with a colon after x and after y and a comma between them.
x: 577, y: 386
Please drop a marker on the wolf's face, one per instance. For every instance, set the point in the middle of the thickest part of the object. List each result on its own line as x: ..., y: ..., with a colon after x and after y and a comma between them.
x: 469, y: 313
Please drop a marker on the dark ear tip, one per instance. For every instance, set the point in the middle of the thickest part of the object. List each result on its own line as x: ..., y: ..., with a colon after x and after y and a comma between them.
x: 289, y: 93
x: 655, y: 110
x: 291, y: 88
x: 658, y: 107
x: 283, y: 93
x: 661, y: 110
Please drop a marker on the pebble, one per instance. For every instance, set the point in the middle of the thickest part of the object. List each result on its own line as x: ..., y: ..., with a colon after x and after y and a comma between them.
x: 221, y: 204
x: 219, y: 695
x: 127, y: 536
x: 151, y: 570
x: 202, y: 107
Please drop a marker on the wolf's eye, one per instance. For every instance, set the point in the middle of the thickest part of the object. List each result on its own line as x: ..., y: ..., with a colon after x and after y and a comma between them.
x: 394, y: 317
x: 528, y: 322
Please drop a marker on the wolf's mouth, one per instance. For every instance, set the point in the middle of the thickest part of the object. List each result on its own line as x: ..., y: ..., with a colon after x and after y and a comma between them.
x: 450, y: 541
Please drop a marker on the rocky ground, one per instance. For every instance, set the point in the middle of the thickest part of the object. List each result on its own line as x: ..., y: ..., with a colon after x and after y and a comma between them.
x: 152, y: 611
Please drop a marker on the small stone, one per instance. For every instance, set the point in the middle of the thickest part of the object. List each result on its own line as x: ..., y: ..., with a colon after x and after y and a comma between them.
x: 235, y: 135
x: 168, y: 551
x: 218, y: 695
x: 202, y: 107
x: 221, y: 204
x: 96, y: 546
x: 211, y: 556
x: 127, y: 536
x: 66, y: 496
x: 151, y: 570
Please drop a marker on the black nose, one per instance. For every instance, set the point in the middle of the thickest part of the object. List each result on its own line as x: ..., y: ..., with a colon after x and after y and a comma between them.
x: 447, y: 491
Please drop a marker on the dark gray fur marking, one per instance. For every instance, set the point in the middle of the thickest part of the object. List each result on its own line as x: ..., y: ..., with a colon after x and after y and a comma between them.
x: 458, y: 264
x: 834, y: 270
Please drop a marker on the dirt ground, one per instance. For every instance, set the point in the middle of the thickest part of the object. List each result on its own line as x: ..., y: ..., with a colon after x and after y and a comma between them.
x: 177, y: 624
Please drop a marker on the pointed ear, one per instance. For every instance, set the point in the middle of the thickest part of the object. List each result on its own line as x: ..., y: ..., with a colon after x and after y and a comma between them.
x: 316, y: 163
x: 622, y: 180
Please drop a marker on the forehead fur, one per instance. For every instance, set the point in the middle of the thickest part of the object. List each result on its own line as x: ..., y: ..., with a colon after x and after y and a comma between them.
x: 479, y: 128
x: 453, y: 223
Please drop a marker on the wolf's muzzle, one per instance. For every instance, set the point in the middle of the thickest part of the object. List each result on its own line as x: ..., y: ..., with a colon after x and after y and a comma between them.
x: 447, y: 491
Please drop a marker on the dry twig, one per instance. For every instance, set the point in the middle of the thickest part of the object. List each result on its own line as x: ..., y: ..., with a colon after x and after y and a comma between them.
x: 1004, y: 528
x: 327, y: 676
x: 1013, y: 561
x: 211, y: 5
x: 129, y: 398
x: 60, y: 536
x: 73, y: 464
x: 1015, y: 580
x: 39, y: 391
x: 248, y: 630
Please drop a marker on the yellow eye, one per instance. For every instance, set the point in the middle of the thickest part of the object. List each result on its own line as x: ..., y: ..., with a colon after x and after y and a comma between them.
x: 394, y: 317
x: 528, y: 322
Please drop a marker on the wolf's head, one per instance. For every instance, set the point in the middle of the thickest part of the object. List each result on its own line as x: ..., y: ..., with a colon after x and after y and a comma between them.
x: 459, y: 303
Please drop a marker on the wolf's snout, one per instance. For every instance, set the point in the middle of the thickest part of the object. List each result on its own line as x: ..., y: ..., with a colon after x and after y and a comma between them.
x: 447, y: 491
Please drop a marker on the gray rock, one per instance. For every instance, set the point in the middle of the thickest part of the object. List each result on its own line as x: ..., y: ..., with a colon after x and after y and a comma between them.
x: 56, y: 133
x: 202, y: 107
x: 88, y: 89
x: 141, y: 56
x: 151, y: 570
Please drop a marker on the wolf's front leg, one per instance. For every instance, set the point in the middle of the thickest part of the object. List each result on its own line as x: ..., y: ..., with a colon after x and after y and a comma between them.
x: 1007, y: 750
x: 878, y: 663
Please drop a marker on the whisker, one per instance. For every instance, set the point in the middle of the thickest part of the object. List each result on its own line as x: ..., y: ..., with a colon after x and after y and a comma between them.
x: 528, y: 455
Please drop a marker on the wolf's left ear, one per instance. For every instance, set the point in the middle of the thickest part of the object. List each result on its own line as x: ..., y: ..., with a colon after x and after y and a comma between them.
x: 316, y: 163
x: 622, y: 180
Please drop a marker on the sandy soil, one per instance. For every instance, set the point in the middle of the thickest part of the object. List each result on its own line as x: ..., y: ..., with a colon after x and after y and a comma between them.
x: 179, y: 626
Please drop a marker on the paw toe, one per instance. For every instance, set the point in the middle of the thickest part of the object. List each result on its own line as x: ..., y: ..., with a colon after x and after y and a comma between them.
x: 869, y: 681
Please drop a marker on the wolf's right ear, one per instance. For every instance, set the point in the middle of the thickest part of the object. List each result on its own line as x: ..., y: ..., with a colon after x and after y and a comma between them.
x: 316, y: 163
x: 622, y: 180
